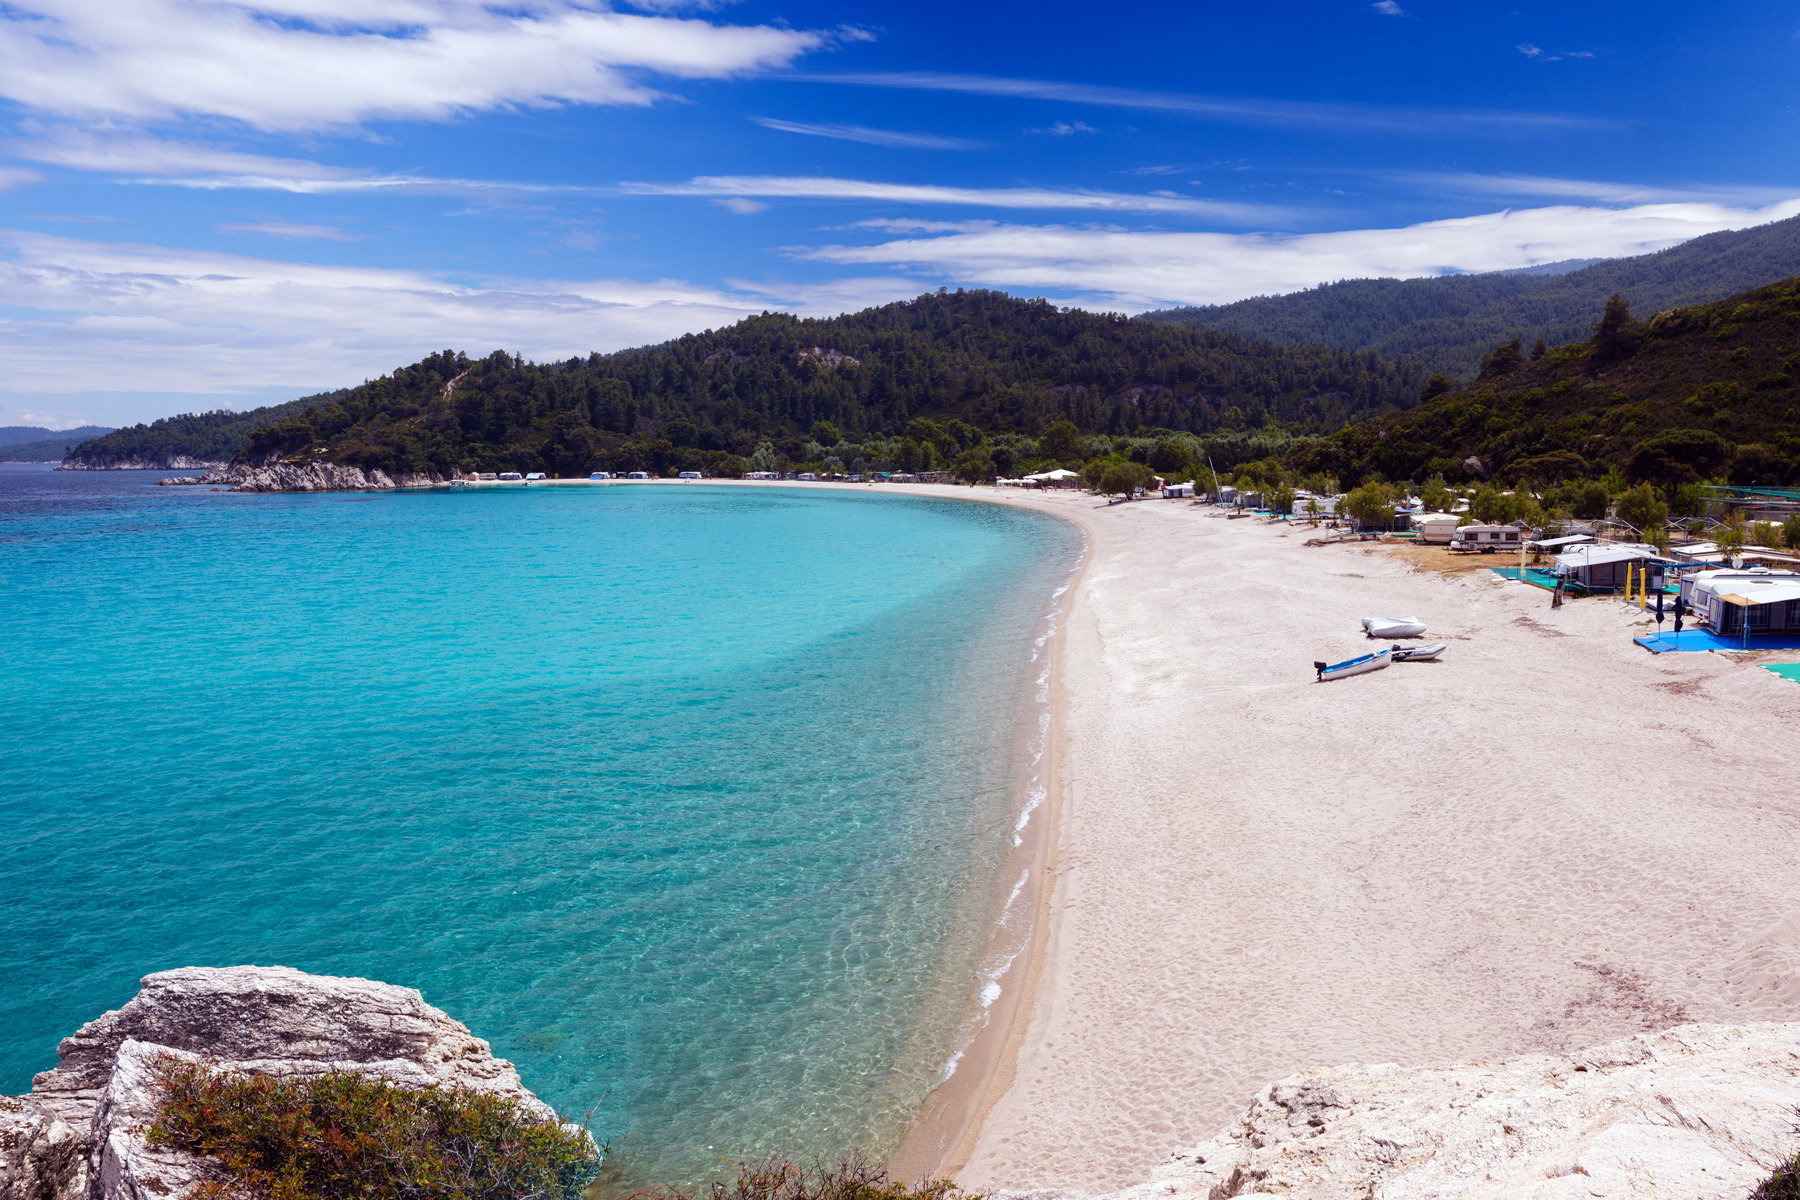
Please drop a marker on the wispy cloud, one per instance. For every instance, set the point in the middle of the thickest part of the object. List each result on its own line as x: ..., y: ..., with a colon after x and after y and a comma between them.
x: 1271, y: 112
x: 1542, y: 187
x: 284, y: 229
x: 1114, y: 268
x: 12, y: 177
x: 1388, y: 8
x: 1543, y: 55
x: 160, y: 162
x: 1065, y: 128
x: 815, y: 188
x: 873, y: 137
x: 108, y: 316
x: 307, y: 64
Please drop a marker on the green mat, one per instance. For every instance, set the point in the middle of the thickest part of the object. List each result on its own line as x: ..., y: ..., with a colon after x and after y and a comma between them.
x: 1785, y: 670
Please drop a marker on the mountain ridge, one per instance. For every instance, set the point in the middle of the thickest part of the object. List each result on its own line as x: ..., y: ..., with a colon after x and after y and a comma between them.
x: 1447, y: 322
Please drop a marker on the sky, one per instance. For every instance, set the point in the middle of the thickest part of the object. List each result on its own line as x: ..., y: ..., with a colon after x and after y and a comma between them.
x: 224, y: 203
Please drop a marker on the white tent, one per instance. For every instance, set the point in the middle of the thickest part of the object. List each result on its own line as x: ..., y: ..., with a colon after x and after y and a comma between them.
x: 1056, y: 476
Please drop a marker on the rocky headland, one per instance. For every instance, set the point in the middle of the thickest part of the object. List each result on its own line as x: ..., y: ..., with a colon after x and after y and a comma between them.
x: 160, y: 462
x: 315, y: 476
x: 80, y: 1132
x: 1698, y: 1112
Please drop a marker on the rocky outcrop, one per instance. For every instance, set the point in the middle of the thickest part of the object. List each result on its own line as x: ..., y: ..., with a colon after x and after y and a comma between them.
x: 162, y: 462
x: 1699, y: 1112
x: 79, y: 1134
x: 317, y: 476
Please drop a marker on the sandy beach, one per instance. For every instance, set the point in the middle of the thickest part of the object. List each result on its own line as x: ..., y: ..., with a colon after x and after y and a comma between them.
x: 1549, y: 838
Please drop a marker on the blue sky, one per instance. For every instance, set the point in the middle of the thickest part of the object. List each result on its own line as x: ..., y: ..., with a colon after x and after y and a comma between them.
x: 212, y: 203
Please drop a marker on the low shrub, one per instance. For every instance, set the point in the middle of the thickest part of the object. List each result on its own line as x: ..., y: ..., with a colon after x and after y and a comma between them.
x: 342, y: 1135
x: 1784, y: 1184
x: 779, y: 1179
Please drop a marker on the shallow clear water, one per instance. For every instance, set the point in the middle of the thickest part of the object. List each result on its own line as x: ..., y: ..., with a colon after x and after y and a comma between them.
x: 675, y: 794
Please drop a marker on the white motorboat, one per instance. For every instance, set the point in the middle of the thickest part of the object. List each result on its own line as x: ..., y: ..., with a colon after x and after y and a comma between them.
x: 1354, y: 666
x: 1419, y: 653
x: 1393, y: 627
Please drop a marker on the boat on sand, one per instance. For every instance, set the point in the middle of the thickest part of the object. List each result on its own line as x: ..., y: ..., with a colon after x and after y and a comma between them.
x: 1354, y: 666
x: 1418, y: 653
x: 1393, y: 627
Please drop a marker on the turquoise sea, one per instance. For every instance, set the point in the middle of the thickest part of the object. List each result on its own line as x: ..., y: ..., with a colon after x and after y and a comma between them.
x: 690, y: 799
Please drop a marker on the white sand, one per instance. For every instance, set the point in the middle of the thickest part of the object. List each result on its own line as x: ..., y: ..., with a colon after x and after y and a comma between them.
x: 1549, y: 838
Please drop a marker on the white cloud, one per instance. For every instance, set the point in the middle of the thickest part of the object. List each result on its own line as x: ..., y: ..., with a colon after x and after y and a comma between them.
x: 1543, y: 187
x: 1388, y: 8
x: 741, y: 205
x: 80, y: 150
x: 303, y: 64
x: 1270, y: 112
x: 285, y: 229
x: 159, y: 162
x: 873, y: 137
x: 814, y: 188
x: 1065, y: 128
x: 12, y: 177
x: 1127, y: 269
x: 1543, y: 55
x: 113, y: 317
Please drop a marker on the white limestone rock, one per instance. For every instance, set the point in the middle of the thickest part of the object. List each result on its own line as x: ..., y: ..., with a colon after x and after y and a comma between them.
x: 1699, y: 1112
x: 317, y: 476
x: 79, y: 1135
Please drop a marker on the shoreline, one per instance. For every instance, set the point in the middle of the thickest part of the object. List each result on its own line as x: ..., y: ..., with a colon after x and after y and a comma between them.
x: 1547, y: 840
x: 944, y: 1135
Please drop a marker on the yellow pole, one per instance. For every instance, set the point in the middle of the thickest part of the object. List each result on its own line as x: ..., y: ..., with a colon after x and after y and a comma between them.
x: 1643, y: 586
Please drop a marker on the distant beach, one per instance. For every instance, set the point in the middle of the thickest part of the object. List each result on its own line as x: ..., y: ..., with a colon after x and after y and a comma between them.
x: 1548, y: 839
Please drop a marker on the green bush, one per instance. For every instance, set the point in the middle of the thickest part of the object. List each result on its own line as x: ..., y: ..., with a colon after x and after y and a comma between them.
x: 777, y: 1179
x: 342, y: 1135
x: 1784, y: 1184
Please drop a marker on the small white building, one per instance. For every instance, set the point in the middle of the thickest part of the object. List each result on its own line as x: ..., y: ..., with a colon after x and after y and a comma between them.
x: 1177, y: 491
x: 1324, y: 506
x: 1725, y: 599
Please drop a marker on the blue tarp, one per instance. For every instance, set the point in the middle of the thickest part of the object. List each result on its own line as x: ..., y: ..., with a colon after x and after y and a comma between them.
x: 1700, y: 639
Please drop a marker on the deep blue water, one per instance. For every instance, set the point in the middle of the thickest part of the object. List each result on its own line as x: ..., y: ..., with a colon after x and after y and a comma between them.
x: 686, y: 798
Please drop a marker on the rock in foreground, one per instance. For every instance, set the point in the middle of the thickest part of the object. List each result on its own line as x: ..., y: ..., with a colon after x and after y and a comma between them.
x: 1699, y: 1112
x: 79, y: 1134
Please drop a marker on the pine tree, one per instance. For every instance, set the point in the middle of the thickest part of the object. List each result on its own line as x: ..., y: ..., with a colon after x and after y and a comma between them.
x: 1616, y: 332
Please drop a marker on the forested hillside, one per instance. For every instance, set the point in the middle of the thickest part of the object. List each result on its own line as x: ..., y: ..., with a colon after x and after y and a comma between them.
x: 774, y: 386
x: 34, y: 443
x: 1689, y: 394
x: 185, y: 440
x: 1448, y: 322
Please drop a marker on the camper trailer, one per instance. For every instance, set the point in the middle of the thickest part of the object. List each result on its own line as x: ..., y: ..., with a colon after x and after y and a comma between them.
x: 1487, y: 538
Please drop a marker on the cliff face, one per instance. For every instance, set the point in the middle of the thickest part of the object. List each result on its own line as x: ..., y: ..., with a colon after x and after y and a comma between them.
x: 155, y: 462
x: 79, y: 1134
x: 1699, y: 1112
